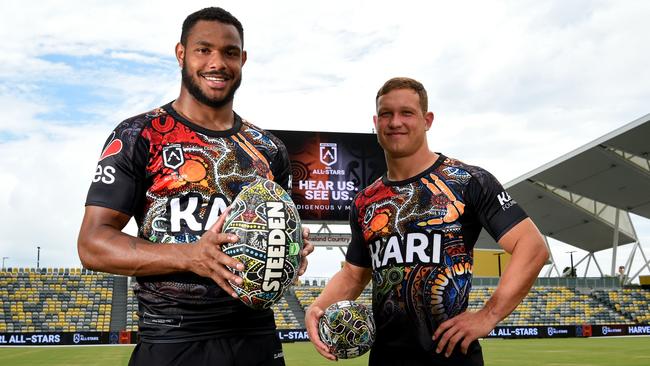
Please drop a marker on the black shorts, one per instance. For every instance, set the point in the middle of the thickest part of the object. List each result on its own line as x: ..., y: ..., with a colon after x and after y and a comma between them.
x: 259, y: 350
x: 387, y: 356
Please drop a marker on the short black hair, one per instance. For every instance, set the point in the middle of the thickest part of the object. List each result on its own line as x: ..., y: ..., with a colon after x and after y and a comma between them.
x: 210, y: 14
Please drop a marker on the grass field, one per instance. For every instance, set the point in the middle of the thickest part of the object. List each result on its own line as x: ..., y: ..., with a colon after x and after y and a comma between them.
x: 628, y: 351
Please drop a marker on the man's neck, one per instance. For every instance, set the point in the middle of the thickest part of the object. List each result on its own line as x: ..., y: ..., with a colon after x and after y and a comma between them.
x: 407, y: 167
x: 216, y: 119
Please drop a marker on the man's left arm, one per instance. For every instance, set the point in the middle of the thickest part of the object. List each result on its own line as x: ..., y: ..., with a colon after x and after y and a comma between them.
x: 529, y: 254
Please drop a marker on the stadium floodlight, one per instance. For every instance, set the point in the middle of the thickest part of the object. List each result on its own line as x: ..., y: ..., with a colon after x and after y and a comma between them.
x: 573, y: 270
x: 38, y: 257
x: 3, y: 262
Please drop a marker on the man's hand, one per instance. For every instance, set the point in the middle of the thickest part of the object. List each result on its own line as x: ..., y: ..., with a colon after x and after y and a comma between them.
x: 348, y: 283
x: 312, y: 316
x: 208, y: 260
x: 464, y: 328
x: 307, y: 248
x: 529, y: 253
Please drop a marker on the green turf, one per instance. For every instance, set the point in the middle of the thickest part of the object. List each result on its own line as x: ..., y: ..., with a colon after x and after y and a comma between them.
x: 629, y: 351
x: 60, y: 356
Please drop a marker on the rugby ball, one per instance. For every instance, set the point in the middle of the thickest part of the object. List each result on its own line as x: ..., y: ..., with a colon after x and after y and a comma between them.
x: 347, y: 328
x: 266, y: 221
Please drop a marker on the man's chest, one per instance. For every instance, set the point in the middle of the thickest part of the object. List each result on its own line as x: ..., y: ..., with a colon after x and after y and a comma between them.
x: 412, y: 225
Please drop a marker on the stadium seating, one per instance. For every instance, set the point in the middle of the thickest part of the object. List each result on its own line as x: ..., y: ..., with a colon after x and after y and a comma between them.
x: 632, y: 303
x: 131, y: 308
x: 284, y: 317
x: 552, y: 306
x: 307, y: 294
x: 55, y: 299
x: 72, y: 299
x: 542, y: 306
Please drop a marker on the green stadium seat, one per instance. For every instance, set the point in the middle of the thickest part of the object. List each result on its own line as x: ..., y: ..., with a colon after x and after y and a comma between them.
x: 75, y: 299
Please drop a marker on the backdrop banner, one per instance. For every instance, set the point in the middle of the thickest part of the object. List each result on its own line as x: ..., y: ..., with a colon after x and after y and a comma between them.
x: 555, y: 331
x: 53, y: 338
x: 300, y: 334
x: 329, y: 168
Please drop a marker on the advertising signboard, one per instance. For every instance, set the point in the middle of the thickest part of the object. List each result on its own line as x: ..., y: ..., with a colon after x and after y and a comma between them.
x: 329, y: 168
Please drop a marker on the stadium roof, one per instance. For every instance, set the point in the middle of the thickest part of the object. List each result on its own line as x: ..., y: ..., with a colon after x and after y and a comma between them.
x: 575, y: 198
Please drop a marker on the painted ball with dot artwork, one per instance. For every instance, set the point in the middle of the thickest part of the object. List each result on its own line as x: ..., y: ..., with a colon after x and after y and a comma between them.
x: 347, y: 328
x: 270, y: 243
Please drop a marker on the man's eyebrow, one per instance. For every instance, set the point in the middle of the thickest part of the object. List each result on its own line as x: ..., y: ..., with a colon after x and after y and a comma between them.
x: 203, y: 43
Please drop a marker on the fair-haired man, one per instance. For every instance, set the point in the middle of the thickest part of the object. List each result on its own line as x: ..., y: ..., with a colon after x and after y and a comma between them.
x: 176, y: 169
x: 413, y: 232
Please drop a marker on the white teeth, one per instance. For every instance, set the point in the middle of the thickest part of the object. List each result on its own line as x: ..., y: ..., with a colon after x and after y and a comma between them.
x: 213, y: 78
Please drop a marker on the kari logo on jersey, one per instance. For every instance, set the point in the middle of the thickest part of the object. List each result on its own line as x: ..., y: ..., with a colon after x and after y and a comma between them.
x: 328, y: 153
x: 184, y: 213
x: 505, y: 200
x: 418, y: 247
x: 173, y: 156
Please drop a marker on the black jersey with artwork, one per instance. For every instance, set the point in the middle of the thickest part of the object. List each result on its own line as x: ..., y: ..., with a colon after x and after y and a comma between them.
x: 175, y: 178
x: 418, y: 236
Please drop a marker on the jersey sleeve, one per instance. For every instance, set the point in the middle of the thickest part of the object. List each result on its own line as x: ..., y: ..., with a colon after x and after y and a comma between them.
x: 357, y: 253
x: 496, y: 210
x: 119, y: 181
x: 281, y: 165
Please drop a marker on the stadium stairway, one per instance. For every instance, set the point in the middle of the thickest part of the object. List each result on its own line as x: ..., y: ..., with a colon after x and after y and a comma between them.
x: 295, y: 307
x: 118, y: 309
x: 599, y: 297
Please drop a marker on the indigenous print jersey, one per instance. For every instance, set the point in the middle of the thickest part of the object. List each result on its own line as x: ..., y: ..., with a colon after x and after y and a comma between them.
x: 418, y: 236
x: 175, y: 178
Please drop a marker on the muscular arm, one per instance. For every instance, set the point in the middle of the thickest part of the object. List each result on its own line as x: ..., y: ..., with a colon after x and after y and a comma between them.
x: 103, y: 247
x: 347, y: 284
x: 529, y: 254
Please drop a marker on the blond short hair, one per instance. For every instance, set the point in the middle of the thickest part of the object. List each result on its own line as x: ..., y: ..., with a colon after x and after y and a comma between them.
x: 405, y: 83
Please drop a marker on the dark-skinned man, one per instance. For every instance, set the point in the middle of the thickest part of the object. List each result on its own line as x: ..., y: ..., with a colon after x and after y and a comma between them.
x: 176, y: 169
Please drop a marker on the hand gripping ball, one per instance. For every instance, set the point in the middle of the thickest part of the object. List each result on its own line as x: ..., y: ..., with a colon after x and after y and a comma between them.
x: 270, y: 242
x: 348, y: 328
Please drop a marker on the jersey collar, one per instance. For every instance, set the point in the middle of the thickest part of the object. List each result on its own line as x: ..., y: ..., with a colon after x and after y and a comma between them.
x: 388, y: 182
x: 212, y: 133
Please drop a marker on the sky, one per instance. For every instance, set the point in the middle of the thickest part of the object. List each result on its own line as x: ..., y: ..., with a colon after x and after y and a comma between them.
x: 513, y: 85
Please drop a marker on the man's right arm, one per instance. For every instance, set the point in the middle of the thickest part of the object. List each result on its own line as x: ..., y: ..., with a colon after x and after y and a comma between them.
x: 347, y: 284
x: 104, y: 247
